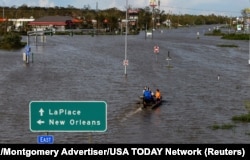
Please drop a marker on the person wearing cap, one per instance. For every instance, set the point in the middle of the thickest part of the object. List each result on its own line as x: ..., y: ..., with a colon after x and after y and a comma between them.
x: 147, y: 95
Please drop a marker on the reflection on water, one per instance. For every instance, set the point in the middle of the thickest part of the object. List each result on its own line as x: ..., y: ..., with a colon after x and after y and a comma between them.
x: 85, y: 68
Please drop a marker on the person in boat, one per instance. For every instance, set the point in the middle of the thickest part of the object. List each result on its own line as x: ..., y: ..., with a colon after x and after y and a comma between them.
x: 143, y: 91
x: 145, y: 88
x: 157, y: 95
x: 147, y: 95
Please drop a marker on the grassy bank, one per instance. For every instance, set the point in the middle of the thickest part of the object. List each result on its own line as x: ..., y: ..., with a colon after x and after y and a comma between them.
x: 227, y: 45
x: 232, y: 36
x: 244, y: 117
x: 235, y: 36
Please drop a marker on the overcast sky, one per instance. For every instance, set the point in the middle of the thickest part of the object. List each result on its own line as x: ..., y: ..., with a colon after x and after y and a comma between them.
x: 204, y: 7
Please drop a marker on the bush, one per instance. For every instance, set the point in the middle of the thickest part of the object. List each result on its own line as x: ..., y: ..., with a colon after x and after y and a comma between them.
x: 242, y: 118
x: 216, y: 32
x: 236, y: 36
x: 11, y: 40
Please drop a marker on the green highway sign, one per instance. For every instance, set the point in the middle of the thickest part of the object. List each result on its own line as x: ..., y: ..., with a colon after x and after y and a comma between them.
x: 68, y: 116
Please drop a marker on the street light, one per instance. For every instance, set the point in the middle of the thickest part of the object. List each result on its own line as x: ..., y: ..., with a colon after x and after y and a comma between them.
x: 249, y: 36
x: 249, y: 42
x: 3, y: 9
x: 126, y: 39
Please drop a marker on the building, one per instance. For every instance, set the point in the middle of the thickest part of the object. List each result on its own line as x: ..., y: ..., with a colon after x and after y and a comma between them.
x: 16, y: 24
x: 3, y: 20
x: 19, y: 23
x: 58, y: 23
x: 133, y: 16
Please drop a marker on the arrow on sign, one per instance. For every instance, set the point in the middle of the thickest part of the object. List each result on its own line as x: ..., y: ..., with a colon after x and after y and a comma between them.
x: 41, y: 111
x: 40, y: 122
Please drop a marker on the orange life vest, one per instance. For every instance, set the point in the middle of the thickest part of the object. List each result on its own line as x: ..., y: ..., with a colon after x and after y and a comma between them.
x: 157, y: 95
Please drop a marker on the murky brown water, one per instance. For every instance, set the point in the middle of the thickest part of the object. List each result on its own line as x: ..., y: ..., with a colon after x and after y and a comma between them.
x: 83, y: 68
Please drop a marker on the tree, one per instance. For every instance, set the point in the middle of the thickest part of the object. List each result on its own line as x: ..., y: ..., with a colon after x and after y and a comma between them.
x: 245, y: 12
x: 11, y: 40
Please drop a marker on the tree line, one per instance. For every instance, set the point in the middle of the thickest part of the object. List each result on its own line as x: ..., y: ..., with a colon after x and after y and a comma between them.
x: 110, y: 18
x: 113, y: 15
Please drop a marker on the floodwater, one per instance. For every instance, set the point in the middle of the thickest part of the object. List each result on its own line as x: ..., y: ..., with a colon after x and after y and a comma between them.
x: 86, y: 68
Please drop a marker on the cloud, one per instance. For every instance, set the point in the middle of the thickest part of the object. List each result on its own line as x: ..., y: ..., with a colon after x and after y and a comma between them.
x: 46, y: 3
x: 140, y: 3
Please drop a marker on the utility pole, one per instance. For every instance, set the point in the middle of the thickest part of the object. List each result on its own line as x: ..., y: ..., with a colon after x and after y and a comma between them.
x: 248, y: 15
x: 96, y: 11
x: 125, y: 63
x: 159, y: 4
x: 3, y: 9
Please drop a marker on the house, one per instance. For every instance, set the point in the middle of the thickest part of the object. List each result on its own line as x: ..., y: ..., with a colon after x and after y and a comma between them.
x: 58, y: 23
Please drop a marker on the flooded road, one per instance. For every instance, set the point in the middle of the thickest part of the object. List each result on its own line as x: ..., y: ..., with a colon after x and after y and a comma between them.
x: 85, y: 68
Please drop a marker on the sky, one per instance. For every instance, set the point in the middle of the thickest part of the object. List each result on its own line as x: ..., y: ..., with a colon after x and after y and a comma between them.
x: 196, y: 7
